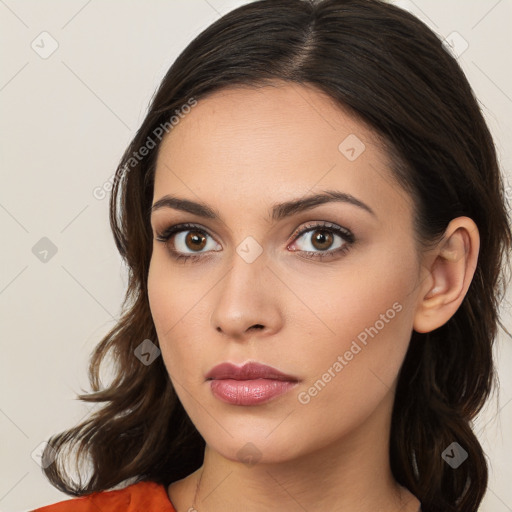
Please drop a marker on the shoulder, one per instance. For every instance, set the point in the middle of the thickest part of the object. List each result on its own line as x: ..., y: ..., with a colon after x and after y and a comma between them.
x: 142, y: 496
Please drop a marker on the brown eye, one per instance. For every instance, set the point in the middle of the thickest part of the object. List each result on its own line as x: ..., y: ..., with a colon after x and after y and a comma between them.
x: 195, y: 241
x: 321, y: 239
x: 324, y: 240
x: 187, y: 241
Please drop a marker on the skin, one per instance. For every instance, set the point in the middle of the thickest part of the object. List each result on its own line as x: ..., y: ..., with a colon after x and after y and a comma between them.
x: 241, y: 151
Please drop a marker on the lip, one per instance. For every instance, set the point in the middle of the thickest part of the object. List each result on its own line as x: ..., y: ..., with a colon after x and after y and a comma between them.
x: 249, y: 371
x: 251, y: 384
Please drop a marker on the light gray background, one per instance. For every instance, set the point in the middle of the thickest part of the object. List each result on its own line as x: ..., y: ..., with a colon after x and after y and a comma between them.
x: 65, y: 121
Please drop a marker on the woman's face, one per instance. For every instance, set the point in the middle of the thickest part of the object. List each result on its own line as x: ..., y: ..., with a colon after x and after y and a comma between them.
x: 332, y: 284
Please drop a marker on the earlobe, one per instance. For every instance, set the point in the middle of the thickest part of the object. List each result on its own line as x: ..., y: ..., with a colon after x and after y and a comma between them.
x: 449, y: 274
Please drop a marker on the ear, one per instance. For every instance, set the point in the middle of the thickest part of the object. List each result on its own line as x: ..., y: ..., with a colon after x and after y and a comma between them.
x: 448, y: 271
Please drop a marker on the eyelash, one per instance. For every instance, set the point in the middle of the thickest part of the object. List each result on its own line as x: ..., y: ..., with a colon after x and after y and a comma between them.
x: 328, y: 227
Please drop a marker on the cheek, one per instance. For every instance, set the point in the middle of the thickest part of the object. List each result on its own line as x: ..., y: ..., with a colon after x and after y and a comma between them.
x: 160, y: 297
x: 175, y: 314
x: 166, y: 309
x: 370, y: 317
x: 353, y: 371
x: 170, y: 296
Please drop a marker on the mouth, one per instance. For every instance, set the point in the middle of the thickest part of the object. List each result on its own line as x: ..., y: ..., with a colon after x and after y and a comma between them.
x: 249, y: 371
x: 249, y: 392
x: 250, y: 384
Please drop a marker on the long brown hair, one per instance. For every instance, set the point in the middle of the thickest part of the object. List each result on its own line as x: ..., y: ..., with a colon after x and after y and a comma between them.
x: 393, y: 73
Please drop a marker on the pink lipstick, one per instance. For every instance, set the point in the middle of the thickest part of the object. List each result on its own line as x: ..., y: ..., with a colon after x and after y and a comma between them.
x: 251, y: 384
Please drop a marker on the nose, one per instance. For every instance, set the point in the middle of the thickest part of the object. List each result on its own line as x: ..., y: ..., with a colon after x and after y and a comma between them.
x: 246, y: 302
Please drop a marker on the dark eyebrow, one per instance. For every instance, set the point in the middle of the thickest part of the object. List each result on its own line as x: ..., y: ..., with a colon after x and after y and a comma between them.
x: 279, y: 210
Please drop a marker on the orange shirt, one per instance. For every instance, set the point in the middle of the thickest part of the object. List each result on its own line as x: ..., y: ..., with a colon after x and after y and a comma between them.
x: 139, y: 497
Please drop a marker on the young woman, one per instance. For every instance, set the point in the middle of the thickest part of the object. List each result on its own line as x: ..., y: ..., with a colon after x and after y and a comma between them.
x: 315, y: 226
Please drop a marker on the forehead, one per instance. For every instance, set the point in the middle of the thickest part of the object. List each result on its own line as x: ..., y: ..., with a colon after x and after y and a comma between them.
x: 280, y: 140
x: 282, y: 116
